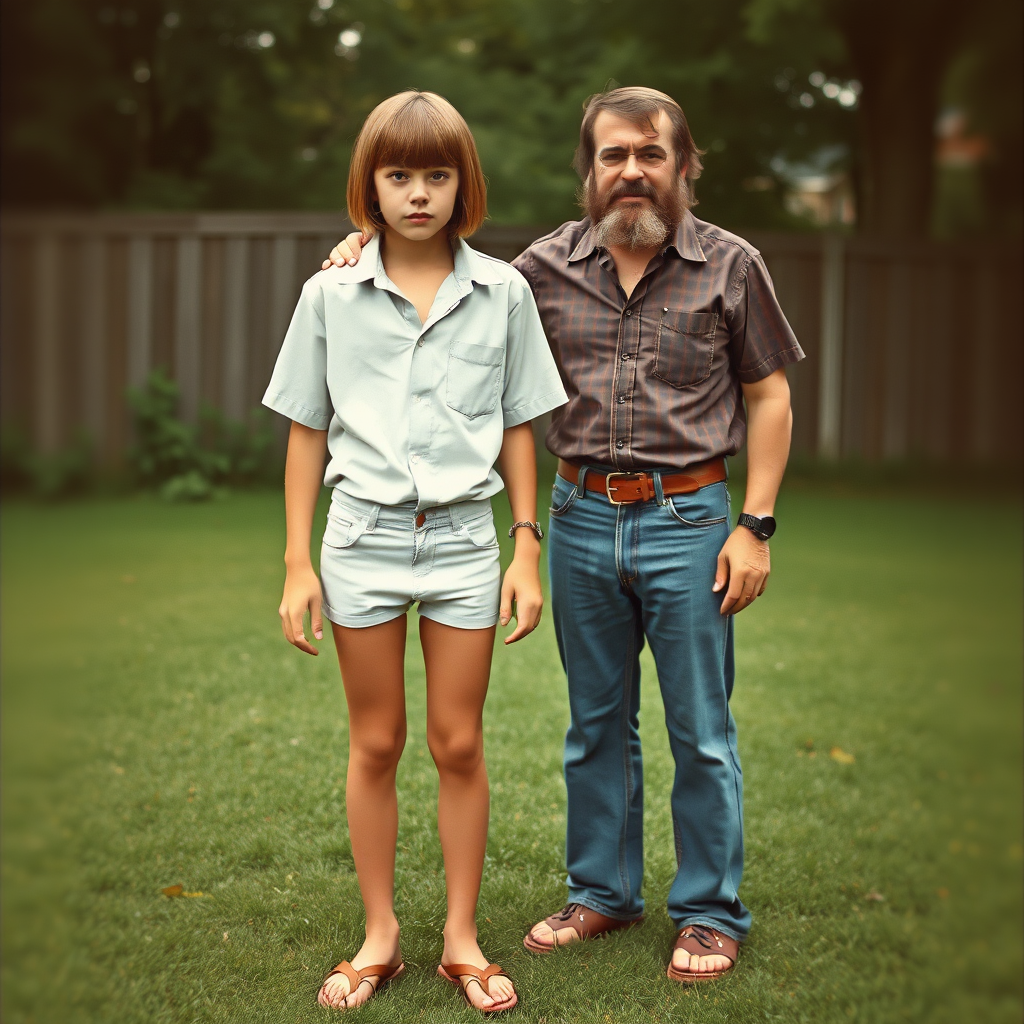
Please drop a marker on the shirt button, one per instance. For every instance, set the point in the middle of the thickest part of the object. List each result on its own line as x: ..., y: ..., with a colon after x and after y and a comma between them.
x: 629, y: 312
x: 625, y: 356
x: 414, y: 459
x: 420, y: 343
x: 620, y: 444
x: 622, y: 399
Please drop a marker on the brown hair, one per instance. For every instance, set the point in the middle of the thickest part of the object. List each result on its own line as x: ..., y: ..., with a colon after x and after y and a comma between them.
x: 416, y: 129
x: 640, y: 106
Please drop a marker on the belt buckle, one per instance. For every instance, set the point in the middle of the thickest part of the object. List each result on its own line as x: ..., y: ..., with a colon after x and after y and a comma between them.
x: 608, y: 488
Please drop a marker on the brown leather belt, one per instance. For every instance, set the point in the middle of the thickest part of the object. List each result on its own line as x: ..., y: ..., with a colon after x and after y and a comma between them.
x: 625, y: 488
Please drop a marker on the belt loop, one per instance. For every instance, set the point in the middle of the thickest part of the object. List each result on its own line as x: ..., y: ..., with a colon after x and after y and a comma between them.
x: 725, y: 462
x: 455, y: 519
x: 371, y: 523
x: 581, y: 483
x: 659, y: 491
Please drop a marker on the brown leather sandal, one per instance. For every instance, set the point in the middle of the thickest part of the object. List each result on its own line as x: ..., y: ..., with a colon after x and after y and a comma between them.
x: 699, y: 940
x: 587, y: 923
x: 382, y: 972
x: 463, y: 975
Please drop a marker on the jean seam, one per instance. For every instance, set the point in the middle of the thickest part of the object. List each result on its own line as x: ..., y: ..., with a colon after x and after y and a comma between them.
x: 627, y: 689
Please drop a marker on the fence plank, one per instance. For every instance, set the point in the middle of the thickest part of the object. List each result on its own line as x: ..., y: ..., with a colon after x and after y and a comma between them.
x: 830, y: 380
x: 188, y: 324
x: 140, y: 309
x: 93, y: 379
x: 236, y: 273
x: 46, y: 420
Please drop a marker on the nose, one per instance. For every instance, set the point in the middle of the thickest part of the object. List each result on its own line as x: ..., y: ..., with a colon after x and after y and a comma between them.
x: 419, y: 192
x: 632, y: 171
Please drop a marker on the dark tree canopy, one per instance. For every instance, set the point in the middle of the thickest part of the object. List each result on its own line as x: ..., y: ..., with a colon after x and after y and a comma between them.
x: 254, y: 103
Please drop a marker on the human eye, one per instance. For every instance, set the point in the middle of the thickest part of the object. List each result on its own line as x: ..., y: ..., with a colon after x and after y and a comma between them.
x: 612, y: 157
x: 651, y: 157
x: 439, y: 176
x: 398, y: 176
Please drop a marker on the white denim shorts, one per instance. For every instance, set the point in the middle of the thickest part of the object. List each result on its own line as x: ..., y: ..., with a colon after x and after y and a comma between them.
x: 379, y: 560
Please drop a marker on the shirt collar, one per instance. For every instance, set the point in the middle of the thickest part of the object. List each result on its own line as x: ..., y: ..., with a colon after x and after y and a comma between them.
x: 684, y: 241
x: 469, y: 265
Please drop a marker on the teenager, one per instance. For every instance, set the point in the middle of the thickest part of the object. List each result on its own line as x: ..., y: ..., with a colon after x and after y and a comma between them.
x: 416, y: 370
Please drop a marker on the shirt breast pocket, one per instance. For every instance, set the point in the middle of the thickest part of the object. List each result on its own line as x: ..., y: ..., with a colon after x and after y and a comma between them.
x: 474, y: 379
x: 685, y: 347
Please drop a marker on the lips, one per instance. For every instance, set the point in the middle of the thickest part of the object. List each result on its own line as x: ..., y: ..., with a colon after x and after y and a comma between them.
x: 419, y: 218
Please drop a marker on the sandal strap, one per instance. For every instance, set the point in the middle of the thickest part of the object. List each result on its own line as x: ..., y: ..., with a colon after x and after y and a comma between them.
x: 700, y: 940
x: 585, y: 921
x: 468, y: 971
x: 356, y: 978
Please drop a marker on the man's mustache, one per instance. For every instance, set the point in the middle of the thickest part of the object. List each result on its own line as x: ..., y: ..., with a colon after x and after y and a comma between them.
x: 636, y: 189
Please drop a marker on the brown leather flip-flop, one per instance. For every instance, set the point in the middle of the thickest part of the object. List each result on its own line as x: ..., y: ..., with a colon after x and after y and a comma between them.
x: 382, y: 972
x: 463, y: 975
x: 587, y: 923
x: 699, y: 940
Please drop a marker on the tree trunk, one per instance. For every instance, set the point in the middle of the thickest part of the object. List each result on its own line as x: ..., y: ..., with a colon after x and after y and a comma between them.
x: 900, y: 50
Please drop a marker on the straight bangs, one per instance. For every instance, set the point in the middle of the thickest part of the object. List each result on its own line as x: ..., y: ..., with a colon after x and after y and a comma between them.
x: 416, y: 130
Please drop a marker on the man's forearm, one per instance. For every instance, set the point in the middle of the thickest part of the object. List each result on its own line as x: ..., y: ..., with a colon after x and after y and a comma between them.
x: 769, y: 429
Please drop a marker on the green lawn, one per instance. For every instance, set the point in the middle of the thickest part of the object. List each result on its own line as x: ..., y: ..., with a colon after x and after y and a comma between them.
x: 157, y: 730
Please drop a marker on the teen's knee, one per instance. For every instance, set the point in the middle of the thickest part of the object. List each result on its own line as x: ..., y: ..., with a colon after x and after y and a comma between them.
x: 460, y: 752
x: 377, y: 751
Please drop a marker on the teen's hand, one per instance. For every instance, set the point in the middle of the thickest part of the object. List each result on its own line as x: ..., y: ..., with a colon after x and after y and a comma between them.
x: 346, y: 253
x: 744, y: 564
x: 521, y: 585
x: 301, y: 594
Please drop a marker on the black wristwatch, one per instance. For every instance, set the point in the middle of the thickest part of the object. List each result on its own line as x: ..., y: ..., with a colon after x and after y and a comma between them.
x: 762, y: 528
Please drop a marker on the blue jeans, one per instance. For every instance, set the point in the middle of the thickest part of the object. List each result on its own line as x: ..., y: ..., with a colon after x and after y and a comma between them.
x: 620, y: 574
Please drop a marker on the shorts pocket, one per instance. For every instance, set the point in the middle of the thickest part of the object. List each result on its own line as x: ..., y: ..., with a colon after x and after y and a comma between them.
x: 343, y: 531
x: 685, y: 347
x: 474, y: 378
x: 481, y: 532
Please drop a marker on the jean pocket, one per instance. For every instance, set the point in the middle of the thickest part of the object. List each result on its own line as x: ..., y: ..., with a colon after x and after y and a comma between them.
x: 563, y: 497
x: 699, y: 509
x: 685, y: 347
x: 342, y: 530
x: 474, y: 378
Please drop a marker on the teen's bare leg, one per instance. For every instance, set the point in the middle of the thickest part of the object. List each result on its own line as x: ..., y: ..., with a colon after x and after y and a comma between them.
x: 372, y: 668
x: 458, y: 663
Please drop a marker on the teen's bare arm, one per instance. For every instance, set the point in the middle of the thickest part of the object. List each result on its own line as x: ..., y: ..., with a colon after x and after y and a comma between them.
x: 521, y: 585
x: 303, y: 478
x: 347, y: 251
x: 744, y: 561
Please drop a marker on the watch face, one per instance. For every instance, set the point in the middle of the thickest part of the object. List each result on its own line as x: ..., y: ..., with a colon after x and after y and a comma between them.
x: 767, y: 526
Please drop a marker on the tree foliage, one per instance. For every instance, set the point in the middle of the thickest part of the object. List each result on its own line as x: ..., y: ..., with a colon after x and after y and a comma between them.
x: 255, y: 103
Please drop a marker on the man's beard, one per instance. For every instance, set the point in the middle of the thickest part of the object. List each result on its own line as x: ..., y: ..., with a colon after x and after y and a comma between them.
x: 631, y: 225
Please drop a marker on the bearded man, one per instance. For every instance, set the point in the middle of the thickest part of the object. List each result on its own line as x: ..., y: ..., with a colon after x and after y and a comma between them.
x: 663, y: 326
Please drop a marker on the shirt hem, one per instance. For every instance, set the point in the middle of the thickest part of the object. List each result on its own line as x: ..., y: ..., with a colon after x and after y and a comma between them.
x: 530, y: 411
x: 770, y: 364
x: 296, y: 412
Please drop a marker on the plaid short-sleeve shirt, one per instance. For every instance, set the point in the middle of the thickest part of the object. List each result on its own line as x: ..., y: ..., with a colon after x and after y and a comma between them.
x: 654, y: 379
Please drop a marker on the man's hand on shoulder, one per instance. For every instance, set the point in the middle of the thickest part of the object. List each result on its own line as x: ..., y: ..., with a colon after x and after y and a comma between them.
x: 346, y: 253
x: 743, y: 566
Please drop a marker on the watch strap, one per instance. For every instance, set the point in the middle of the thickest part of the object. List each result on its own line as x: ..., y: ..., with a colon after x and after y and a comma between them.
x: 535, y: 527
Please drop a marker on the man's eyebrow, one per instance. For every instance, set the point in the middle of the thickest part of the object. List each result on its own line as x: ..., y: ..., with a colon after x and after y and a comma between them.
x: 642, y: 149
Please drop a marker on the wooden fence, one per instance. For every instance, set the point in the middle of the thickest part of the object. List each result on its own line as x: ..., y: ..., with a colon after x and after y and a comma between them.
x: 913, y: 351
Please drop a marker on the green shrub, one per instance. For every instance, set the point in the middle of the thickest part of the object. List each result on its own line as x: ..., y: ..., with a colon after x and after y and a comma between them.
x: 52, y: 475
x: 191, y: 463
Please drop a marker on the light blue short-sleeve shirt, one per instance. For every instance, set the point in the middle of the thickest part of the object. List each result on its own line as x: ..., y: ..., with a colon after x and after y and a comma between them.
x: 415, y: 412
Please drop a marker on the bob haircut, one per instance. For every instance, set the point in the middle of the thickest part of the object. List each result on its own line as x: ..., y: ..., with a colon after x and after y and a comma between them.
x: 640, y: 106
x: 416, y: 130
